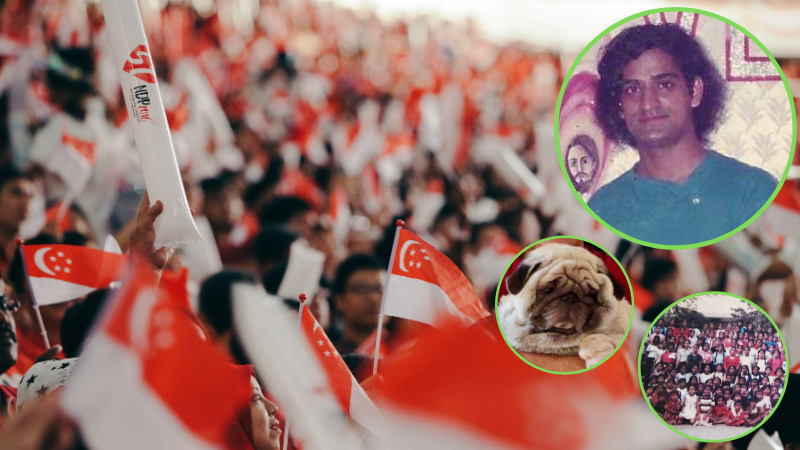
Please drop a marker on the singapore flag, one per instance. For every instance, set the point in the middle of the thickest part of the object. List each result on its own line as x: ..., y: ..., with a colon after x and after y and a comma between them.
x: 349, y: 394
x: 425, y: 285
x: 58, y: 273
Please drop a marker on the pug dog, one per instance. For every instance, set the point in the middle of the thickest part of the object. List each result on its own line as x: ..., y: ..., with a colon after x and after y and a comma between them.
x: 563, y: 301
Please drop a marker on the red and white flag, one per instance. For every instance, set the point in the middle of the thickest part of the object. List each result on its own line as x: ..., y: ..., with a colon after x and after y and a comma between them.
x: 781, y: 219
x: 58, y: 273
x: 426, y: 286
x: 73, y: 162
x: 148, y: 379
x: 465, y: 390
x: 351, y: 397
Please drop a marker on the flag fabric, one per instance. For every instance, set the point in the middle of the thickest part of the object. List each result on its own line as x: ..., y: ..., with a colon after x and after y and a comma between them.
x: 58, y: 273
x: 73, y: 161
x: 425, y: 285
x: 349, y: 394
x: 430, y: 401
x: 148, y: 379
x: 781, y: 219
x: 495, y: 256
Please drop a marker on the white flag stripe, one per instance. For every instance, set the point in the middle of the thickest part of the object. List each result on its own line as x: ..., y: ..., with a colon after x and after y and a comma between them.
x: 48, y: 291
x: 411, y: 429
x: 116, y: 410
x: 363, y: 411
x: 596, y: 420
x: 410, y: 298
x: 73, y: 168
x: 302, y: 272
x: 781, y: 220
x: 111, y: 245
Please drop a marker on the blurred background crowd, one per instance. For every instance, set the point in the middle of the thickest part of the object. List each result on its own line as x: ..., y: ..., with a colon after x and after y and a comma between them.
x: 303, y: 131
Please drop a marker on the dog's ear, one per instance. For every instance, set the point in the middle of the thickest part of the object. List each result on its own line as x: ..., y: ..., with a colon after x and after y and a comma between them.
x: 517, y: 280
x: 619, y: 289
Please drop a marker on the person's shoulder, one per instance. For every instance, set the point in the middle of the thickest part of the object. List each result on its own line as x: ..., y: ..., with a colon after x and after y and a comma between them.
x: 740, y: 171
x: 612, y: 192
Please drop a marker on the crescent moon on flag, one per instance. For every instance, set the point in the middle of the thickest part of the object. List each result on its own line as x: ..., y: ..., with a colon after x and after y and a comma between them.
x: 38, y: 258
x: 403, y: 254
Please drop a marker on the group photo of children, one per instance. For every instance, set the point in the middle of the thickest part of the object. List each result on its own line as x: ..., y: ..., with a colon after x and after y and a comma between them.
x: 713, y: 361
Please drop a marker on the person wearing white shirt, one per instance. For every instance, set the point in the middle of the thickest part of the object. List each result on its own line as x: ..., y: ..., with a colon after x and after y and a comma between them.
x: 706, y: 375
x: 745, y: 359
x: 684, y: 352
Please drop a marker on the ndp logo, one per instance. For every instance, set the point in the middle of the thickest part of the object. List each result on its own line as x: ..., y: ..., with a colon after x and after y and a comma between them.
x: 140, y: 65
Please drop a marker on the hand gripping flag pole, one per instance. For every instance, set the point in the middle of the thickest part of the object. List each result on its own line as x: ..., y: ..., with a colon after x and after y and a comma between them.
x: 302, y: 298
x: 400, y: 225
x: 20, y: 244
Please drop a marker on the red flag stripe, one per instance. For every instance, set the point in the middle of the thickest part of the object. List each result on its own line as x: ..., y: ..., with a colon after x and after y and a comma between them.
x: 331, y: 361
x: 148, y: 379
x: 80, y: 265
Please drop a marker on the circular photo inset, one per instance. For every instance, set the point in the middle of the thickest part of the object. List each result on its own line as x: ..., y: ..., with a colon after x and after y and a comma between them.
x: 713, y: 367
x: 676, y: 128
x: 564, y: 305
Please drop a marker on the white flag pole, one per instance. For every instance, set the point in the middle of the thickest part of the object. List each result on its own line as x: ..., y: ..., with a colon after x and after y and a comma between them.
x: 399, y: 224
x: 302, y: 298
x: 20, y: 244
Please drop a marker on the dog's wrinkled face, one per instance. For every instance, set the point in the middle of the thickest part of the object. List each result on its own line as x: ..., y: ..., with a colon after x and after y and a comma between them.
x: 558, y: 295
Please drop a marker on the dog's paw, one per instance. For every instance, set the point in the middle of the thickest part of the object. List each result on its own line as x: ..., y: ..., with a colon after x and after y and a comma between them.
x: 596, y: 347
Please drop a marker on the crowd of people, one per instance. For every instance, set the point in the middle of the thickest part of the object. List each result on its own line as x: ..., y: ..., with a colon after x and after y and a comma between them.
x: 710, y: 372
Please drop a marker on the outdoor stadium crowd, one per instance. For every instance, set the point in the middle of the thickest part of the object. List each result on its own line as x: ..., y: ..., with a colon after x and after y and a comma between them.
x: 709, y: 372
x: 310, y: 124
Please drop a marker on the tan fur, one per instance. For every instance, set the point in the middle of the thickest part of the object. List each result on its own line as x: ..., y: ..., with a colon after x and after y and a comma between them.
x: 578, y: 272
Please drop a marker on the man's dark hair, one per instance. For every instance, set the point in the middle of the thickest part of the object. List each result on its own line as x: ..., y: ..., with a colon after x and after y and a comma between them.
x: 656, y: 271
x: 273, y: 243
x: 282, y: 209
x: 272, y: 279
x: 78, y: 320
x: 215, y: 297
x: 352, y: 265
x: 16, y: 272
x: 687, y: 53
x: 10, y: 173
x: 215, y: 185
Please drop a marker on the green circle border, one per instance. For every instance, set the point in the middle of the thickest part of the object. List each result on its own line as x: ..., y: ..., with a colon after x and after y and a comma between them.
x: 497, y: 302
x: 641, y: 352
x: 592, y: 44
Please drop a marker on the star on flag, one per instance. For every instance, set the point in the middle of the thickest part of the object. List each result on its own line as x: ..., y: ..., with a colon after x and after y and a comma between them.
x: 41, y: 379
x: 348, y: 393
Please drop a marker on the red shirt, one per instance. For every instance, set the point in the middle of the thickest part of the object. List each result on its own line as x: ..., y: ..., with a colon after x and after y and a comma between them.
x: 731, y: 361
x: 669, y: 357
x: 719, y: 411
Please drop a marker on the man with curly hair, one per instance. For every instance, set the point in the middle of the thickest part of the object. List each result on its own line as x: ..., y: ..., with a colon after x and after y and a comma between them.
x: 661, y: 94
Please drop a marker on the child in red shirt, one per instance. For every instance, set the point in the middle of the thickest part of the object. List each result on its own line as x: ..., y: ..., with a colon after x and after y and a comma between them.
x: 735, y: 416
x: 672, y: 407
x: 719, y: 411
